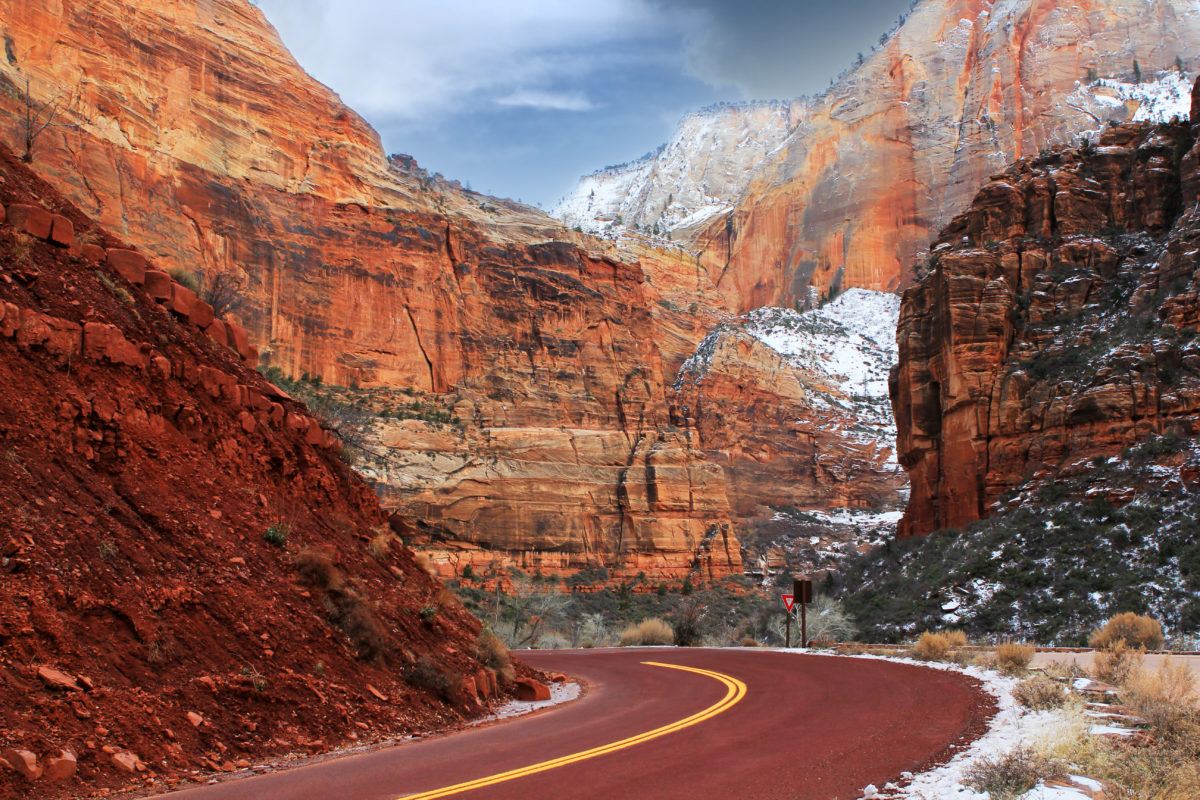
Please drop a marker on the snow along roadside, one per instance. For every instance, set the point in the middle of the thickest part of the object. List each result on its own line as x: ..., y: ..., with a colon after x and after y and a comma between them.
x: 1013, y: 726
x: 559, y: 693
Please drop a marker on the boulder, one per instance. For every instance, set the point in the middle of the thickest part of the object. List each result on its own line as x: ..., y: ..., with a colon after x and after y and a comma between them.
x: 92, y: 252
x: 37, y: 222
x: 126, y: 761
x: 182, y: 301
x: 195, y: 719
x: 128, y: 264
x: 60, y: 767
x: 238, y: 339
x: 106, y: 342
x: 57, y: 679
x: 531, y: 690
x: 62, y: 231
x: 158, y: 285
x: 218, y: 332
x: 23, y: 762
x: 200, y: 314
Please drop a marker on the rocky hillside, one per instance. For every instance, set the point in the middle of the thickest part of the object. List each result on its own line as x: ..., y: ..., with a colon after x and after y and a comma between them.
x: 212, y: 151
x: 193, y: 578
x: 1049, y: 379
x: 686, y: 182
x: 883, y: 159
x: 794, y: 406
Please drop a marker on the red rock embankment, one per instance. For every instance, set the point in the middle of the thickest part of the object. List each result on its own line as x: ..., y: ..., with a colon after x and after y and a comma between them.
x: 194, y: 580
x: 1054, y: 323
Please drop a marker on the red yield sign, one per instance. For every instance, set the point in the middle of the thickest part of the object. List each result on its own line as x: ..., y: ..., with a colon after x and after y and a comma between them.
x: 789, y: 602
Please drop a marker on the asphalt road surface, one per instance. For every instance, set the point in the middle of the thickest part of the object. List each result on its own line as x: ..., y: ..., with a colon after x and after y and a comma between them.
x: 692, y: 723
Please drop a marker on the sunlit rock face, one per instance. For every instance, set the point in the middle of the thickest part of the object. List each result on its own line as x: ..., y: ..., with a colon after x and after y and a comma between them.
x: 876, y: 165
x: 199, y: 139
x: 1053, y: 327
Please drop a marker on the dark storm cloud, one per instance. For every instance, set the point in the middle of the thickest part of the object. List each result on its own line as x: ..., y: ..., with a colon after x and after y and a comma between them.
x: 774, y: 49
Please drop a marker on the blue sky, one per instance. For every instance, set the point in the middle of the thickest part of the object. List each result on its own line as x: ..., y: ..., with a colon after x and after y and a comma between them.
x: 518, y: 98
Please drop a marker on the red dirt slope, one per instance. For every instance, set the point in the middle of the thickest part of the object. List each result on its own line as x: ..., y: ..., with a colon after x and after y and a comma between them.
x: 146, y: 624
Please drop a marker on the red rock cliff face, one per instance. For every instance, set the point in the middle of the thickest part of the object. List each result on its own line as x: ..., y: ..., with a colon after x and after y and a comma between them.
x: 890, y: 153
x: 187, y: 579
x: 201, y: 141
x: 1055, y: 323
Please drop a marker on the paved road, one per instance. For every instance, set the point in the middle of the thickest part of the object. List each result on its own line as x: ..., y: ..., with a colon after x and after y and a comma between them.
x: 708, y: 724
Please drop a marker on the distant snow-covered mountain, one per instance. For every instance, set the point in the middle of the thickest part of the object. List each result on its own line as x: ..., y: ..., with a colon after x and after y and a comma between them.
x: 698, y: 174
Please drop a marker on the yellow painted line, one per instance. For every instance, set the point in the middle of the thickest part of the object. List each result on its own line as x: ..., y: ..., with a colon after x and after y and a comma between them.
x: 735, y: 690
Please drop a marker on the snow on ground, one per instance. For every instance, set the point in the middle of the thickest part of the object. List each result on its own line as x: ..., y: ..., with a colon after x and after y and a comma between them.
x: 559, y: 693
x: 1012, y: 727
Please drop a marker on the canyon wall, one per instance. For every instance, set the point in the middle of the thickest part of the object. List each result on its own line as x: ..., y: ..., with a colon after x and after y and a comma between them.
x: 194, y: 135
x: 189, y: 576
x: 1053, y: 325
x: 877, y: 164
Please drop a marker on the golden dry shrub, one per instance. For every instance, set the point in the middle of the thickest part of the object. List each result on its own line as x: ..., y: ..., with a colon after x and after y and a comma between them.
x: 1117, y: 663
x: 491, y: 652
x: 956, y: 638
x: 424, y: 563
x: 1040, y: 693
x: 652, y: 631
x: 932, y: 646
x: 1013, y: 657
x: 1136, y: 630
x: 1166, y: 697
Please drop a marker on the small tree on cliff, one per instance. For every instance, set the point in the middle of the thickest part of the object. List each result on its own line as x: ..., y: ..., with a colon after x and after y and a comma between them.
x: 37, y: 117
x: 224, y: 290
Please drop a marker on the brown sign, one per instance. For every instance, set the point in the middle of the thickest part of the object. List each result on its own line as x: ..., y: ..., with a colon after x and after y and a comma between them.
x: 802, y: 590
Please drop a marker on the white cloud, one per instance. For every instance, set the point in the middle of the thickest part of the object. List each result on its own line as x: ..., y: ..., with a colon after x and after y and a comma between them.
x: 546, y: 101
x: 406, y: 59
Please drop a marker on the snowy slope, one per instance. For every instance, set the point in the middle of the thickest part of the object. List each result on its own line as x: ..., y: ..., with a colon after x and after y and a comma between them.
x: 1166, y: 96
x: 699, y: 173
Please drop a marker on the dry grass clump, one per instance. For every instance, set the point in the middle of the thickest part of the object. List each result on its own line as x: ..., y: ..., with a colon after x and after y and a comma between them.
x: 956, y: 638
x: 491, y: 652
x: 932, y: 646
x: 1166, y: 698
x: 424, y: 563
x: 425, y: 674
x: 1040, y: 693
x: 380, y: 546
x: 748, y: 641
x: 1011, y: 775
x: 652, y: 631
x: 1013, y: 657
x: 1116, y: 664
x: 1136, y: 630
x: 345, y: 606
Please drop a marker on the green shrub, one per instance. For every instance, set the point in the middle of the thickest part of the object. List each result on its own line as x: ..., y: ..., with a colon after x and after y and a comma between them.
x: 276, y: 535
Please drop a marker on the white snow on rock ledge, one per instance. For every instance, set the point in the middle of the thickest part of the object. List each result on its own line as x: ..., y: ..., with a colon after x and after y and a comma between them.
x: 1012, y: 727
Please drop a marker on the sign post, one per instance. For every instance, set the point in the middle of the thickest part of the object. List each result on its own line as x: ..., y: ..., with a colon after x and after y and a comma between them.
x: 802, y: 594
x: 789, y: 602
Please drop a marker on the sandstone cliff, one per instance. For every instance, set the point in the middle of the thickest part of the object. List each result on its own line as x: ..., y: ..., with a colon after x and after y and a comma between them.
x: 794, y: 405
x: 211, y: 150
x: 193, y: 579
x: 1053, y: 324
x: 883, y: 159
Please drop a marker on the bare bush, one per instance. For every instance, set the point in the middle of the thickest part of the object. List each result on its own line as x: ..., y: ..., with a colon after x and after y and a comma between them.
x: 491, y: 652
x: 224, y: 290
x: 1011, y: 775
x: 1040, y: 693
x: 686, y: 623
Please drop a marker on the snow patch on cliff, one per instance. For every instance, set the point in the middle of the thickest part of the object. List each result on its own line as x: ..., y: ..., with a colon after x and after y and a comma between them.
x: 698, y: 174
x: 1166, y: 96
x: 851, y: 339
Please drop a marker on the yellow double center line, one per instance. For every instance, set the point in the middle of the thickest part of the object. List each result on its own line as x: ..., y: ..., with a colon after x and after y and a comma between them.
x: 735, y: 690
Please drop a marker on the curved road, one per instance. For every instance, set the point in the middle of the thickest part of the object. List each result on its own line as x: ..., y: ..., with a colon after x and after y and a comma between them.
x: 714, y: 724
